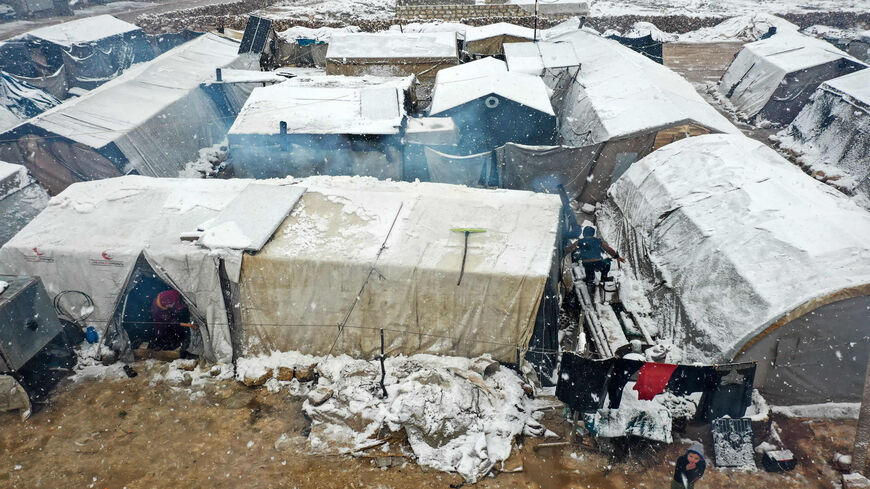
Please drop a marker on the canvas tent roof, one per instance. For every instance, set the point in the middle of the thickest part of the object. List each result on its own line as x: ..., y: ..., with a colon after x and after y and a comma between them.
x: 431, y: 45
x: 373, y: 109
x: 321, y: 80
x: 535, y: 57
x: 759, y: 68
x: 92, y: 234
x: 498, y: 29
x: 464, y: 83
x: 84, y: 30
x: 740, y: 235
x: 155, y: 112
x: 21, y: 199
x: 856, y: 86
x: 619, y: 92
x: 832, y: 132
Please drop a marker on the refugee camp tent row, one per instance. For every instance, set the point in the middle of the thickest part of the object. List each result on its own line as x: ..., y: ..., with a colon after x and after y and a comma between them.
x: 775, y: 77
x: 391, y: 54
x: 152, y: 119
x: 748, y: 258
x: 294, y: 280
x: 83, y: 53
x: 21, y: 199
x: 492, y: 106
x: 322, y: 125
x: 832, y: 133
x: 630, y: 104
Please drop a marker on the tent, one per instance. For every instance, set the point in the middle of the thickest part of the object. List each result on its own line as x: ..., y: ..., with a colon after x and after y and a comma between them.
x: 89, y: 51
x: 391, y: 54
x: 21, y: 199
x: 304, y: 46
x: 631, y: 104
x: 489, y: 40
x: 545, y: 59
x: 305, y: 264
x: 492, y: 106
x: 313, y: 125
x: 832, y: 133
x: 21, y: 101
x: 774, y: 78
x: 152, y: 119
x: 747, y: 258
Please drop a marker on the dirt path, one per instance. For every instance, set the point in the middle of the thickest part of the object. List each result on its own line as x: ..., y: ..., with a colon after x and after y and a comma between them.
x: 130, y: 433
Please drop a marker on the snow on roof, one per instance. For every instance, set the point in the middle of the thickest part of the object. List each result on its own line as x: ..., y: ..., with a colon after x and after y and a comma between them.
x: 322, y: 80
x: 12, y: 178
x: 740, y: 235
x: 855, y: 85
x: 247, y: 76
x: 108, y: 112
x: 760, y: 67
x: 619, y: 92
x: 391, y: 45
x: 741, y: 28
x: 322, y: 34
x: 435, y: 26
x: 498, y: 29
x: 376, y: 109
x: 470, y: 81
x: 535, y: 57
x: 83, y: 30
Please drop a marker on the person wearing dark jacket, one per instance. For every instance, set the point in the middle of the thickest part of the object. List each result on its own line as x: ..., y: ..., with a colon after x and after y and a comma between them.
x: 589, y: 250
x: 690, y: 467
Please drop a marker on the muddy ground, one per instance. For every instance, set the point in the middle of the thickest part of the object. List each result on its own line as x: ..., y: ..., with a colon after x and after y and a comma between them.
x: 130, y: 433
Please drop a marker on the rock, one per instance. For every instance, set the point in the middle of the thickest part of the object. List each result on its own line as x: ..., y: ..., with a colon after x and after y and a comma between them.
x: 855, y: 481
x: 388, y: 461
x: 485, y: 365
x: 285, y: 374
x: 188, y: 365
x: 842, y: 462
x: 319, y: 396
x: 252, y: 381
x: 215, y: 371
x: 186, y: 380
x: 305, y: 373
x: 109, y: 359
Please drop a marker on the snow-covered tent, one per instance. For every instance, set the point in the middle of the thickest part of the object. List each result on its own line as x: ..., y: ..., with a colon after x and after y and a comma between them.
x: 326, y: 258
x: 774, y: 78
x: 304, y: 46
x: 748, y: 258
x: 630, y: 103
x: 20, y: 101
x: 154, y: 118
x: 493, y: 106
x: 322, y: 125
x: 21, y: 199
x: 541, y: 58
x: 391, y: 54
x: 832, y: 133
x: 490, y: 40
x: 86, y: 52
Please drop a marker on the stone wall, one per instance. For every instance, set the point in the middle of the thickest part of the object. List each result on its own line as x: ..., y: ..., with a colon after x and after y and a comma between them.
x: 441, y: 10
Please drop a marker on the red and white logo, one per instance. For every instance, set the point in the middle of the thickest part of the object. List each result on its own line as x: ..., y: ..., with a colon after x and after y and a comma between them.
x: 38, y: 256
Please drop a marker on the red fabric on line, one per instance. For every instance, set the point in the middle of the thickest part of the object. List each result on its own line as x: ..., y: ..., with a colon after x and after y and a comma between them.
x: 652, y: 379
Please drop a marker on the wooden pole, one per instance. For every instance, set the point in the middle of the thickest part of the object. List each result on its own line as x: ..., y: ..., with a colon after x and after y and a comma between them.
x: 862, y: 433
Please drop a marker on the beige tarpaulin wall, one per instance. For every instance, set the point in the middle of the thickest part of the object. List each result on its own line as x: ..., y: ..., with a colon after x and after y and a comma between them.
x: 301, y: 285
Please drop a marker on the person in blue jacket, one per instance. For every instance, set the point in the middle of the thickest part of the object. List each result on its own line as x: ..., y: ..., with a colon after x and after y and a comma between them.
x: 690, y: 468
x: 589, y: 251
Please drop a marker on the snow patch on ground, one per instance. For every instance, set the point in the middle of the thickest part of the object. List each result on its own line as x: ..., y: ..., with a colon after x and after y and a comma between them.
x: 830, y: 410
x: 89, y: 364
x: 455, y: 420
x: 716, y: 8
x: 326, y: 10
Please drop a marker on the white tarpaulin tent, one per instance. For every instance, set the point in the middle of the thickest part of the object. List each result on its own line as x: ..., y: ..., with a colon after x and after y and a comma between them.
x: 370, y: 254
x: 154, y: 118
x: 356, y: 252
x: 744, y: 253
x: 832, y: 133
x: 391, y: 54
x: 91, y: 236
x: 630, y: 102
x: 775, y: 77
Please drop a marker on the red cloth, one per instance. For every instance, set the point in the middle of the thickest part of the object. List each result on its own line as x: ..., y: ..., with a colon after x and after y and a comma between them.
x: 652, y: 379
